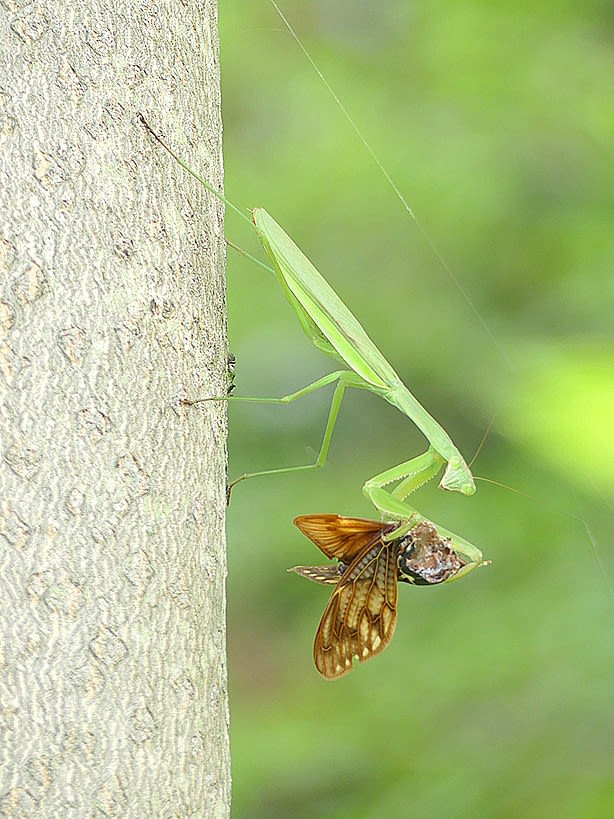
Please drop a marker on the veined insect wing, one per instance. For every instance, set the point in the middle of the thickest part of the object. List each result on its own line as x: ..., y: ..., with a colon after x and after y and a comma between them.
x: 329, y: 574
x: 360, y: 617
x: 340, y: 537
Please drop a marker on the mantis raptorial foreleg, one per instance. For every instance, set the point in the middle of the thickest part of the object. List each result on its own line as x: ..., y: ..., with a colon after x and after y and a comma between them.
x: 411, y: 474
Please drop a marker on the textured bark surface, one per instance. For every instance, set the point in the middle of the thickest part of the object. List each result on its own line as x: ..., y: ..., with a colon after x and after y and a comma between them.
x: 113, y: 698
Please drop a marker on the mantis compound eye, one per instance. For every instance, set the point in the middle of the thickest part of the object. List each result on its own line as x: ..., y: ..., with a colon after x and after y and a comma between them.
x: 425, y: 558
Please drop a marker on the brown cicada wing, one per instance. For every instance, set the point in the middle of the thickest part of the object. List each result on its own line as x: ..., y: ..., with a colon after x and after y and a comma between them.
x: 339, y: 537
x: 327, y: 575
x: 360, y: 617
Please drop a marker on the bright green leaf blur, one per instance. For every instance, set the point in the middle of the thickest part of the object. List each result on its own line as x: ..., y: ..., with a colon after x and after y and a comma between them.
x: 495, y: 698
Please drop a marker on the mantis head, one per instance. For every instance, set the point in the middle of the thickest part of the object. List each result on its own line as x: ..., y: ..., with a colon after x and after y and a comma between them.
x: 457, y: 477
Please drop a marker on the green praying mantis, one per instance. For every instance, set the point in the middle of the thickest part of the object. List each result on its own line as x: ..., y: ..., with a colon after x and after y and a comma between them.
x: 335, y: 331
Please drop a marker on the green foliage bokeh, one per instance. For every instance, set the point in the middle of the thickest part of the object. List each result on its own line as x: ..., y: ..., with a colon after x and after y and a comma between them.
x: 495, y: 697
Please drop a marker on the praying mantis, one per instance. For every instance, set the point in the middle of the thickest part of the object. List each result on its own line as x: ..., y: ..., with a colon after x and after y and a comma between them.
x: 372, y: 556
x: 335, y: 331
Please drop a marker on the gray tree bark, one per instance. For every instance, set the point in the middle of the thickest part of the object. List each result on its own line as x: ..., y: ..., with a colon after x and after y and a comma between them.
x: 113, y: 696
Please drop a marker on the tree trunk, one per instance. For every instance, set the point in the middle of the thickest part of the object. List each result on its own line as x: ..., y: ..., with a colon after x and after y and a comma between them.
x: 113, y: 695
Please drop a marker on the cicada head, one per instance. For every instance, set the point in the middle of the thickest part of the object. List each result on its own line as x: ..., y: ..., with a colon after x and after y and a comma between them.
x: 427, y: 558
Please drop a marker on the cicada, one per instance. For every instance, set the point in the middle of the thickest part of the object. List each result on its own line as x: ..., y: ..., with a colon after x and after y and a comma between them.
x: 360, y: 617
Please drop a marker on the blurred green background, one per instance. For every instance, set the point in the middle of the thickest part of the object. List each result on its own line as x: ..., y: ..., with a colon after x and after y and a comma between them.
x: 496, y: 696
